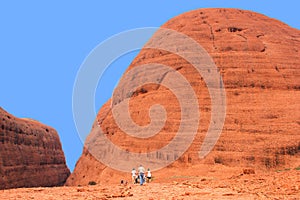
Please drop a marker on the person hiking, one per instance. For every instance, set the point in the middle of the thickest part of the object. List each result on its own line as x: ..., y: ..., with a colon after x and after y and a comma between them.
x: 133, y: 176
x: 149, y: 175
x: 141, y: 171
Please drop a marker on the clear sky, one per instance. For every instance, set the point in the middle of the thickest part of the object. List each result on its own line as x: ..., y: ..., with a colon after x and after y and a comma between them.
x: 43, y: 44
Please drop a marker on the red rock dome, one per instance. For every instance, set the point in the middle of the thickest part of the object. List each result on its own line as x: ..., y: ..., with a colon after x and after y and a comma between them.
x: 259, y: 62
x: 30, y: 154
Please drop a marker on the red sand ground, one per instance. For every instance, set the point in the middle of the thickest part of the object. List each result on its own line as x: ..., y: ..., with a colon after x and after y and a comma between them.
x: 234, y: 184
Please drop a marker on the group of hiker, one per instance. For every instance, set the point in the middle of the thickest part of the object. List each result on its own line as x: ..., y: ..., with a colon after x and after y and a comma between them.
x: 139, y: 175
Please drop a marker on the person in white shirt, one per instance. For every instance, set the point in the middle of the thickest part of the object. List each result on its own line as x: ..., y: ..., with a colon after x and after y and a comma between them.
x: 141, y: 171
x: 149, y: 175
x: 133, y: 176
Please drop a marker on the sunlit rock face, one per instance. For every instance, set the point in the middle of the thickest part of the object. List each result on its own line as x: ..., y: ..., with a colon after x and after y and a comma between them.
x: 30, y: 154
x: 258, y: 60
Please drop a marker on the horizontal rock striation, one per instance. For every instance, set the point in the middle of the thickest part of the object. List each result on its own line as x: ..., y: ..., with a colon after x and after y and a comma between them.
x: 258, y: 59
x: 31, y: 154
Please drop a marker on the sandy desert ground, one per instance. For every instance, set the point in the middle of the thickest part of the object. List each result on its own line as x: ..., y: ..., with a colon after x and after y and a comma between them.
x: 275, y: 184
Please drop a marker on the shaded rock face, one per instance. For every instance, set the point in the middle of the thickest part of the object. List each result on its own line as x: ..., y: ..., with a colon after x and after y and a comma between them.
x: 30, y: 154
x: 259, y: 61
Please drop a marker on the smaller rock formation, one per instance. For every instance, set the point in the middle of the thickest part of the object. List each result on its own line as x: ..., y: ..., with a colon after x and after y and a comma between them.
x: 30, y: 154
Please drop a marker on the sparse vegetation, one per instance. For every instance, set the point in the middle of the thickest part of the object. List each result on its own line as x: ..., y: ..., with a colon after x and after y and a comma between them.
x: 271, y: 116
x: 268, y: 162
x: 248, y: 171
x: 250, y: 158
x: 283, y: 170
x: 218, y: 160
x: 234, y: 29
x: 182, y: 177
x: 92, y: 183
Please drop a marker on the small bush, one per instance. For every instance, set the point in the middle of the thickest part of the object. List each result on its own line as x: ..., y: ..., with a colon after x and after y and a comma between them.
x: 218, y: 160
x: 268, y: 162
x: 236, y: 93
x: 297, y: 168
x: 283, y: 170
x: 92, y: 183
x: 248, y: 171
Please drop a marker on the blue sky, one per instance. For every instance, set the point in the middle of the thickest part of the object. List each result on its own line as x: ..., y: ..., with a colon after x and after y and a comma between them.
x: 43, y: 44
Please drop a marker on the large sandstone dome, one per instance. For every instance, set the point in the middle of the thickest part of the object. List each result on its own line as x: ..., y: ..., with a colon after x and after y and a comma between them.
x: 259, y: 61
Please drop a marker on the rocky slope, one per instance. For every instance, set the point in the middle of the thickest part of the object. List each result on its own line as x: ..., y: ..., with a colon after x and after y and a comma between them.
x: 30, y: 154
x: 259, y: 61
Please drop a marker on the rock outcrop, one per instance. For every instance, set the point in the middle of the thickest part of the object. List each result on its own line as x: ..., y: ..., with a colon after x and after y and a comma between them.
x: 259, y: 61
x: 30, y: 154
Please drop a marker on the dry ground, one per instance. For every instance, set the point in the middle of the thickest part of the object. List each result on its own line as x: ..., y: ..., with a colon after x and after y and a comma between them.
x: 279, y: 184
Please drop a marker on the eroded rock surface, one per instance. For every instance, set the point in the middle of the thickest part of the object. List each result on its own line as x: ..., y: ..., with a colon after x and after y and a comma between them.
x: 31, y: 154
x: 259, y: 61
